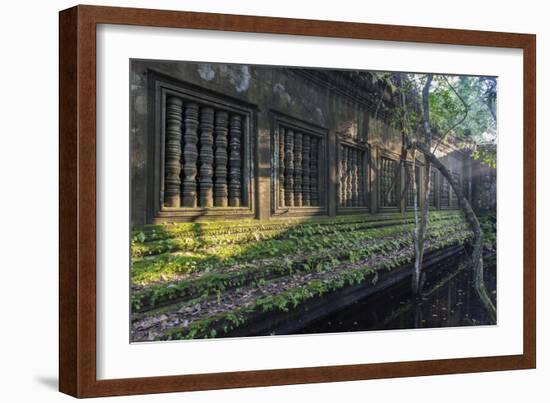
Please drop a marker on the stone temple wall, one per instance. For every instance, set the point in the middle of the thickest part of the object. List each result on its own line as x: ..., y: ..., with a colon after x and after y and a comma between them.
x: 211, y: 141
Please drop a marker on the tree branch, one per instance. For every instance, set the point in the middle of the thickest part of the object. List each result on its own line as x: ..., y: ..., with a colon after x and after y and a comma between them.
x: 466, y: 110
x: 471, y: 218
x: 426, y: 110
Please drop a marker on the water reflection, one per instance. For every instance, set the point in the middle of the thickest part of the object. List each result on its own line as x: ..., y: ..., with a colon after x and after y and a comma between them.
x: 448, y: 300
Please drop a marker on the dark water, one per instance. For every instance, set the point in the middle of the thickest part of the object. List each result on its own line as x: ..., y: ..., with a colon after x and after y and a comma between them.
x: 448, y: 300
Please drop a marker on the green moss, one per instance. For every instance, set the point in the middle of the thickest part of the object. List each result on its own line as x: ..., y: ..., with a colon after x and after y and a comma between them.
x: 350, y: 248
x: 223, y: 323
x: 302, y: 239
x: 174, y: 265
x: 488, y: 225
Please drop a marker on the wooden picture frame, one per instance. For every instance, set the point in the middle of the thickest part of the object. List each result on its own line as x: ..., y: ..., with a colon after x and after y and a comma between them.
x: 77, y: 169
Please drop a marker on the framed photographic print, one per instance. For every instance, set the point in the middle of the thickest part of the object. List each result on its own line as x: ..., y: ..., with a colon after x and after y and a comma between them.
x: 254, y: 201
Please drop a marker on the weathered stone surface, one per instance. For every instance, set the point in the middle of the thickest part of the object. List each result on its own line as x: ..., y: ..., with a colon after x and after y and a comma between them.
x: 206, y: 173
x: 388, y: 183
x: 281, y: 146
x: 190, y: 154
x: 298, y: 169
x: 220, y: 160
x: 289, y: 168
x: 306, y: 149
x: 235, y: 158
x: 172, y: 180
x: 342, y: 174
x: 314, y: 173
x: 212, y: 166
x: 354, y: 179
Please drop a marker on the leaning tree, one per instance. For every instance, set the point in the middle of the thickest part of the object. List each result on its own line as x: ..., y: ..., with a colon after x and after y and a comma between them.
x: 430, y: 108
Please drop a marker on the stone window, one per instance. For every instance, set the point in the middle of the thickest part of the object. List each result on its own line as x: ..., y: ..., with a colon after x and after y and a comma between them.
x: 444, y: 193
x: 298, y: 169
x: 433, y: 188
x: 410, y: 189
x: 352, y: 176
x: 203, y: 148
x: 389, y: 182
x: 453, y: 196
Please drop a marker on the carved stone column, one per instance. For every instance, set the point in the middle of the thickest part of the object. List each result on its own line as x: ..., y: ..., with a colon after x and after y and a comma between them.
x: 220, y: 160
x: 206, y: 157
x: 373, y: 168
x: 360, y: 179
x: 289, y: 168
x: 346, y: 191
x: 349, y: 179
x: 298, y: 170
x: 281, y: 172
x: 354, y: 179
x: 172, y: 168
x: 235, y: 161
x: 433, y: 189
x: 340, y: 173
x: 190, y: 153
x: 314, y: 172
x: 458, y: 178
x: 444, y: 194
x: 306, y: 145
x: 342, y: 182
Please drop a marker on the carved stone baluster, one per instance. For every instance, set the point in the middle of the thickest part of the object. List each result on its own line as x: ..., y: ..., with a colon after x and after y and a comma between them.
x: 390, y: 168
x: 349, y: 195
x: 235, y: 161
x: 206, y: 158
x: 289, y: 168
x: 190, y: 154
x: 172, y: 168
x: 342, y: 177
x: 345, y: 174
x: 314, y: 172
x: 306, y: 146
x: 354, y: 178
x: 340, y: 163
x: 383, y: 185
x: 220, y: 160
x: 432, y: 188
x: 454, y: 198
x: 444, y: 193
x: 351, y: 181
x: 298, y: 170
x: 360, y: 179
x: 351, y: 178
x: 281, y: 172
x: 410, y: 189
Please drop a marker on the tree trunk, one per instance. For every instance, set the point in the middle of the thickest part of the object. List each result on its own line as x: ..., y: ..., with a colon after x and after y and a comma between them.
x: 471, y: 218
x: 421, y: 227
